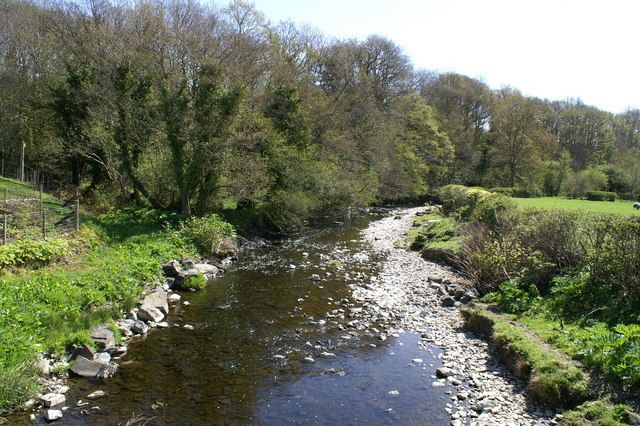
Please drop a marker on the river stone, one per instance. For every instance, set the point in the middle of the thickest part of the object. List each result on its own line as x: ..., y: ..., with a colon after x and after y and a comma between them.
x: 172, y: 268
x: 206, y: 269
x: 448, y: 302
x: 52, y: 399
x: 96, y: 394
x: 444, y: 372
x: 314, y: 277
x: 87, y: 368
x: 149, y: 313
x: 102, y: 357
x: 174, y: 297
x: 53, y: 415
x: 157, y: 299
x: 104, y: 338
x: 139, y: 327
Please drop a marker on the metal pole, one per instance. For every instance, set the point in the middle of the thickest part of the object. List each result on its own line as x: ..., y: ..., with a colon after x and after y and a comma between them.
x: 44, y: 224
x: 24, y: 145
x: 77, y: 209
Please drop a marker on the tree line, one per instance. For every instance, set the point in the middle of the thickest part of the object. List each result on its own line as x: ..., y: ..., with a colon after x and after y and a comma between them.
x: 187, y: 106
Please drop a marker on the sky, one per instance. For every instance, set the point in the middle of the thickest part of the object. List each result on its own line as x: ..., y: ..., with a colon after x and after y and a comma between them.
x: 554, y: 49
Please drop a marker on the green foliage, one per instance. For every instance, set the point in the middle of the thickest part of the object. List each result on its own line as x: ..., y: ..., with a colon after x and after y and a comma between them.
x: 581, y: 182
x: 31, y: 253
x: 460, y: 200
x: 54, y: 308
x: 600, y: 196
x: 614, y: 351
x: 555, y: 203
x: 597, y: 413
x: 512, y: 298
x: 195, y: 282
x: 207, y: 233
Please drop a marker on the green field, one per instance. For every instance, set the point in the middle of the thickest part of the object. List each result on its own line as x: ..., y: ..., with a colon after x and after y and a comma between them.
x: 616, y: 207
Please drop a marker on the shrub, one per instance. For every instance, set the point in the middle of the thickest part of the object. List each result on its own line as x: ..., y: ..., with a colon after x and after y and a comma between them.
x: 600, y: 196
x: 490, y: 208
x: 195, y: 282
x: 460, y: 199
x: 31, y: 253
x: 209, y: 234
x: 512, y: 298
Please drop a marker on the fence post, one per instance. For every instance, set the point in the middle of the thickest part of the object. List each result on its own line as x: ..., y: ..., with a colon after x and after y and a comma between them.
x: 44, y: 224
x: 77, y: 209
x: 3, y: 167
x: 4, y: 228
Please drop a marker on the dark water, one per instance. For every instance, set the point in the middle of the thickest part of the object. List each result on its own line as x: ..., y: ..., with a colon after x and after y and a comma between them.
x: 224, y: 371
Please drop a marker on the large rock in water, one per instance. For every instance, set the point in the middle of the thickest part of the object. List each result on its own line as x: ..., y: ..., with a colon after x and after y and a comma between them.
x: 206, y: 269
x: 104, y: 338
x: 149, y: 313
x: 87, y: 368
x: 158, y: 300
x: 52, y: 399
x: 83, y: 350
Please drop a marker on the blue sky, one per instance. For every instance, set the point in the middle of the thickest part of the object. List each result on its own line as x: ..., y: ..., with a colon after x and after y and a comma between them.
x: 547, y: 48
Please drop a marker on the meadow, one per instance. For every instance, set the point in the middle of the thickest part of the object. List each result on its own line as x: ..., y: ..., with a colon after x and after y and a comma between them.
x: 551, y: 203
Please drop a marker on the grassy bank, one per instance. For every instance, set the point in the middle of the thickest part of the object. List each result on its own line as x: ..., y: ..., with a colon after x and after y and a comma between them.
x: 564, y: 282
x: 50, y: 303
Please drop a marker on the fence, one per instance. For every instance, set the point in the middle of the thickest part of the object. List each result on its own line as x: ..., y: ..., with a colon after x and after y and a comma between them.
x: 38, y: 212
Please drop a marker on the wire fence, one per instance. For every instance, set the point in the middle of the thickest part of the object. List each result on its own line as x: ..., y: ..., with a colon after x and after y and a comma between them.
x: 35, y: 206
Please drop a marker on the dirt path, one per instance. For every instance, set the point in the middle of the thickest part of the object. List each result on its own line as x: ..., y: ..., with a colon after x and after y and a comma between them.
x: 406, y: 293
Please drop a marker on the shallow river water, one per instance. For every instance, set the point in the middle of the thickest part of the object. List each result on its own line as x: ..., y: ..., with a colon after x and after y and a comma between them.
x: 244, y: 361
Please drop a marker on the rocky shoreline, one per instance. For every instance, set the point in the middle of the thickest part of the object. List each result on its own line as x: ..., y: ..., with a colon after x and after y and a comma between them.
x: 411, y: 294
x: 85, y: 361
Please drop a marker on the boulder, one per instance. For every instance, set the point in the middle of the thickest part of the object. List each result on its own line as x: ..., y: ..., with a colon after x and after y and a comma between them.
x: 206, y: 269
x: 52, y: 399
x: 53, y: 415
x: 172, y: 268
x: 88, y: 368
x: 104, y: 338
x: 158, y: 300
x: 139, y: 327
x: 102, y: 357
x: 149, y: 313
x: 173, y: 298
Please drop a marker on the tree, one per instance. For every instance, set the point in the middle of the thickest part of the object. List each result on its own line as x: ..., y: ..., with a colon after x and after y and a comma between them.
x: 519, y: 139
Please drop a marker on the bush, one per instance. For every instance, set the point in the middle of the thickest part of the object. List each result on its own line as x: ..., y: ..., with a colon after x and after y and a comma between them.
x: 460, y: 199
x: 512, y: 298
x: 210, y: 235
x: 600, y: 196
x: 31, y: 253
x: 195, y: 282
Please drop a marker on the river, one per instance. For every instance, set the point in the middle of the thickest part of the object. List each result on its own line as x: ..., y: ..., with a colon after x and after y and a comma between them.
x: 244, y: 362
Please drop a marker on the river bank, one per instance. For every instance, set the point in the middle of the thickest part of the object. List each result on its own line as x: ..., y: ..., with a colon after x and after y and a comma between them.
x: 407, y: 290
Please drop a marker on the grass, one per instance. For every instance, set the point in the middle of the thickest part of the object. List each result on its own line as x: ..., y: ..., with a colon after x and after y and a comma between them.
x: 101, y: 277
x: 600, y: 413
x: 615, y: 207
x: 552, y: 378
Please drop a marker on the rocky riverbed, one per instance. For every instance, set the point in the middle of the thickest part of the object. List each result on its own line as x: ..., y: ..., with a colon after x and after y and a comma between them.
x: 408, y: 295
